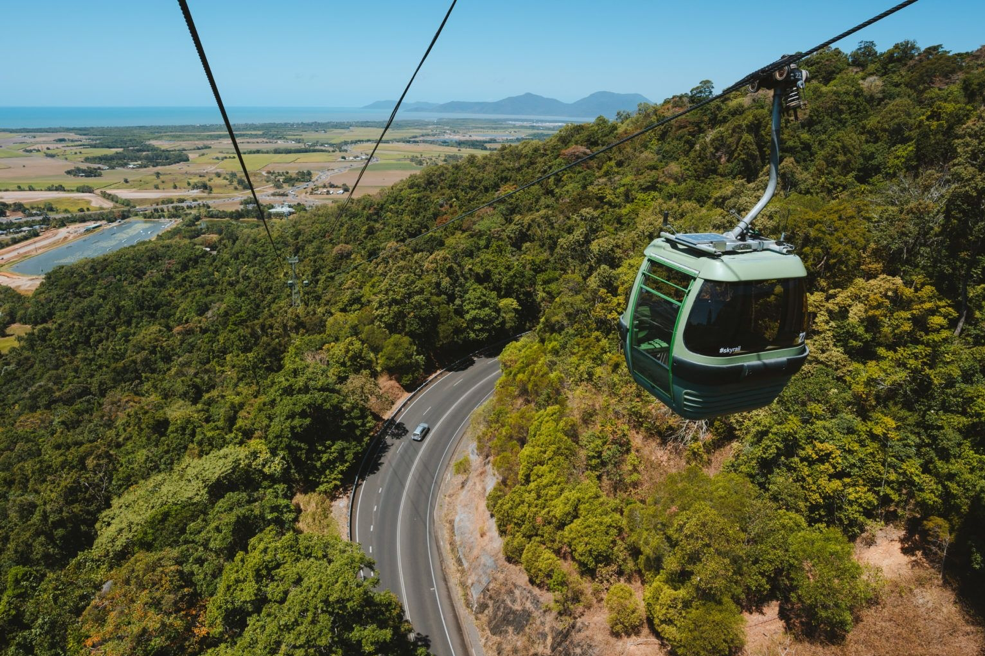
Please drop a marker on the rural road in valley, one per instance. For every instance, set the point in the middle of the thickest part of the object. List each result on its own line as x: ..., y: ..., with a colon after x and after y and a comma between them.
x: 393, y: 514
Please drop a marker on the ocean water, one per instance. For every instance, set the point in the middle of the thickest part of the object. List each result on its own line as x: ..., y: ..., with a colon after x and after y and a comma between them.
x: 81, y: 117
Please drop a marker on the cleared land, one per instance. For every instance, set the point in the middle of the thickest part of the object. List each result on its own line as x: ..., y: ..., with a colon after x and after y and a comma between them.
x: 9, y: 339
x: 259, y: 161
x: 373, y: 181
x: 22, y: 284
x: 33, y: 166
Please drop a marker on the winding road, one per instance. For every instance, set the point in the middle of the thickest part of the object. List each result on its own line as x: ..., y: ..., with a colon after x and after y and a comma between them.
x: 393, y: 515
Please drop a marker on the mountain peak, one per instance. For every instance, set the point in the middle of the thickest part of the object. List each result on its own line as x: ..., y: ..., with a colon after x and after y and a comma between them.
x: 600, y: 103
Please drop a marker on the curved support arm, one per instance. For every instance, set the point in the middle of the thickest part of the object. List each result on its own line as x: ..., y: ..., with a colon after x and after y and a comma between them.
x: 740, y: 230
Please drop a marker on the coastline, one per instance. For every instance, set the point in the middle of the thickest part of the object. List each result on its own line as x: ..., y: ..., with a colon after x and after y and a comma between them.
x: 53, y: 118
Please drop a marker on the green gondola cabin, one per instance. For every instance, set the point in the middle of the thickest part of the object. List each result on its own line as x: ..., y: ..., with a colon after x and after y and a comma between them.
x: 716, y: 323
x: 712, y: 334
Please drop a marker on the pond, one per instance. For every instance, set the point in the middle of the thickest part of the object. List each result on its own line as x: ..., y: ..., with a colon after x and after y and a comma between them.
x: 106, y: 240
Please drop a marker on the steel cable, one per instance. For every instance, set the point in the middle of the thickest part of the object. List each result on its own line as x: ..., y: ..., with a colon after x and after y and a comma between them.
x: 225, y: 118
x: 762, y: 72
x: 393, y: 115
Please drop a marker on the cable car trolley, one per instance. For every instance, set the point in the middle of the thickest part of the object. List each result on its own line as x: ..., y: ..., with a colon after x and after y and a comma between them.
x: 716, y: 323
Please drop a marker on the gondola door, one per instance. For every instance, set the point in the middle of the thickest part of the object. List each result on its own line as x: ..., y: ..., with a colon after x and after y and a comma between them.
x: 660, y: 293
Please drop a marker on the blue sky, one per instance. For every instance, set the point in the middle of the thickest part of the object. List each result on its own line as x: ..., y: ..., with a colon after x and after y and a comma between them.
x: 302, y: 53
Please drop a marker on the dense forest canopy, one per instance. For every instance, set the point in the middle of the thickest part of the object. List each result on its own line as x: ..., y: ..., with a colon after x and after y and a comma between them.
x: 161, y: 421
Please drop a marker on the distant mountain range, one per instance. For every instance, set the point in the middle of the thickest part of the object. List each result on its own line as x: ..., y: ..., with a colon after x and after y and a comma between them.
x: 604, y: 103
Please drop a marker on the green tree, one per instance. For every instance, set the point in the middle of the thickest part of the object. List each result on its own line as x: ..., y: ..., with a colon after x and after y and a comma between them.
x: 265, y: 600
x: 481, y: 312
x: 703, y: 91
x: 21, y: 581
x: 148, y: 607
x: 710, y: 629
x: 159, y: 508
x: 400, y: 359
x: 625, y: 612
x: 826, y: 585
x: 315, y: 425
x: 963, y: 230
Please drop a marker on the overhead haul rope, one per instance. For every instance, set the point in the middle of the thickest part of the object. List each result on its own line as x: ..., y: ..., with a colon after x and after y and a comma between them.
x: 762, y: 72
x: 393, y: 115
x: 225, y: 118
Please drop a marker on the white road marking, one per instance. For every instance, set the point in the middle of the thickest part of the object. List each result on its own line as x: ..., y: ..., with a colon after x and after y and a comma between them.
x: 427, y: 411
x: 403, y: 499
x: 412, y: 403
x: 374, y: 507
x: 387, y: 480
x: 430, y: 505
x: 355, y: 528
x: 370, y: 528
x: 370, y: 548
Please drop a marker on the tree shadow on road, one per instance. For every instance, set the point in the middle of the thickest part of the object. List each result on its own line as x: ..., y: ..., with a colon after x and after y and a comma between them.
x: 395, y: 432
x: 421, y: 640
x: 461, y: 365
x: 375, y: 459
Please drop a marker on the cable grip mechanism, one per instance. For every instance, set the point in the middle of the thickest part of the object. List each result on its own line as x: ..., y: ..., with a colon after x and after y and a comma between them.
x: 789, y: 81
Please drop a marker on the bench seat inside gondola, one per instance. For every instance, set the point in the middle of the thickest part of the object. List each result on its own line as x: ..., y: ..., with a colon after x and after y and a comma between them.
x: 656, y: 349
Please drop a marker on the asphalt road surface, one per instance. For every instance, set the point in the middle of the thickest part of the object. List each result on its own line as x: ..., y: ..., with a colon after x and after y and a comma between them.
x: 393, y: 507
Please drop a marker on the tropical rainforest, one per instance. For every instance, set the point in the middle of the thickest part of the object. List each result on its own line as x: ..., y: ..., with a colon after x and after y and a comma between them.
x: 163, y: 423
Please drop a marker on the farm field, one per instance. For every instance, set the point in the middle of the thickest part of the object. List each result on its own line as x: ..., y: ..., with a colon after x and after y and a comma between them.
x: 38, y: 162
x: 392, y: 166
x: 374, y: 180
x: 55, y: 197
x: 259, y: 162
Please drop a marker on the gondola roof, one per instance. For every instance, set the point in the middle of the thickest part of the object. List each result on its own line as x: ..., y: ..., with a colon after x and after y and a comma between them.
x: 726, y: 267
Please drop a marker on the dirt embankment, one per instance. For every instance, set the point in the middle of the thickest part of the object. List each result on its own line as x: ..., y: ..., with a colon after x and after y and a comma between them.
x: 20, y: 283
x: 916, y: 614
x: 512, y: 617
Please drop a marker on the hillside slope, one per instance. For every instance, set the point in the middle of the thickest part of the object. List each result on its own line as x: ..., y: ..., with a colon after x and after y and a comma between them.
x: 170, y: 404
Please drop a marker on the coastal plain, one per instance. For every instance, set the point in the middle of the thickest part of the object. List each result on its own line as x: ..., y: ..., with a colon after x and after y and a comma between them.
x: 44, y: 169
x: 53, y: 178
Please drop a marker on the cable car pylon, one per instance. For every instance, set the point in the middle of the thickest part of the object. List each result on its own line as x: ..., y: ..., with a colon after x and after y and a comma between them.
x: 293, y: 282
